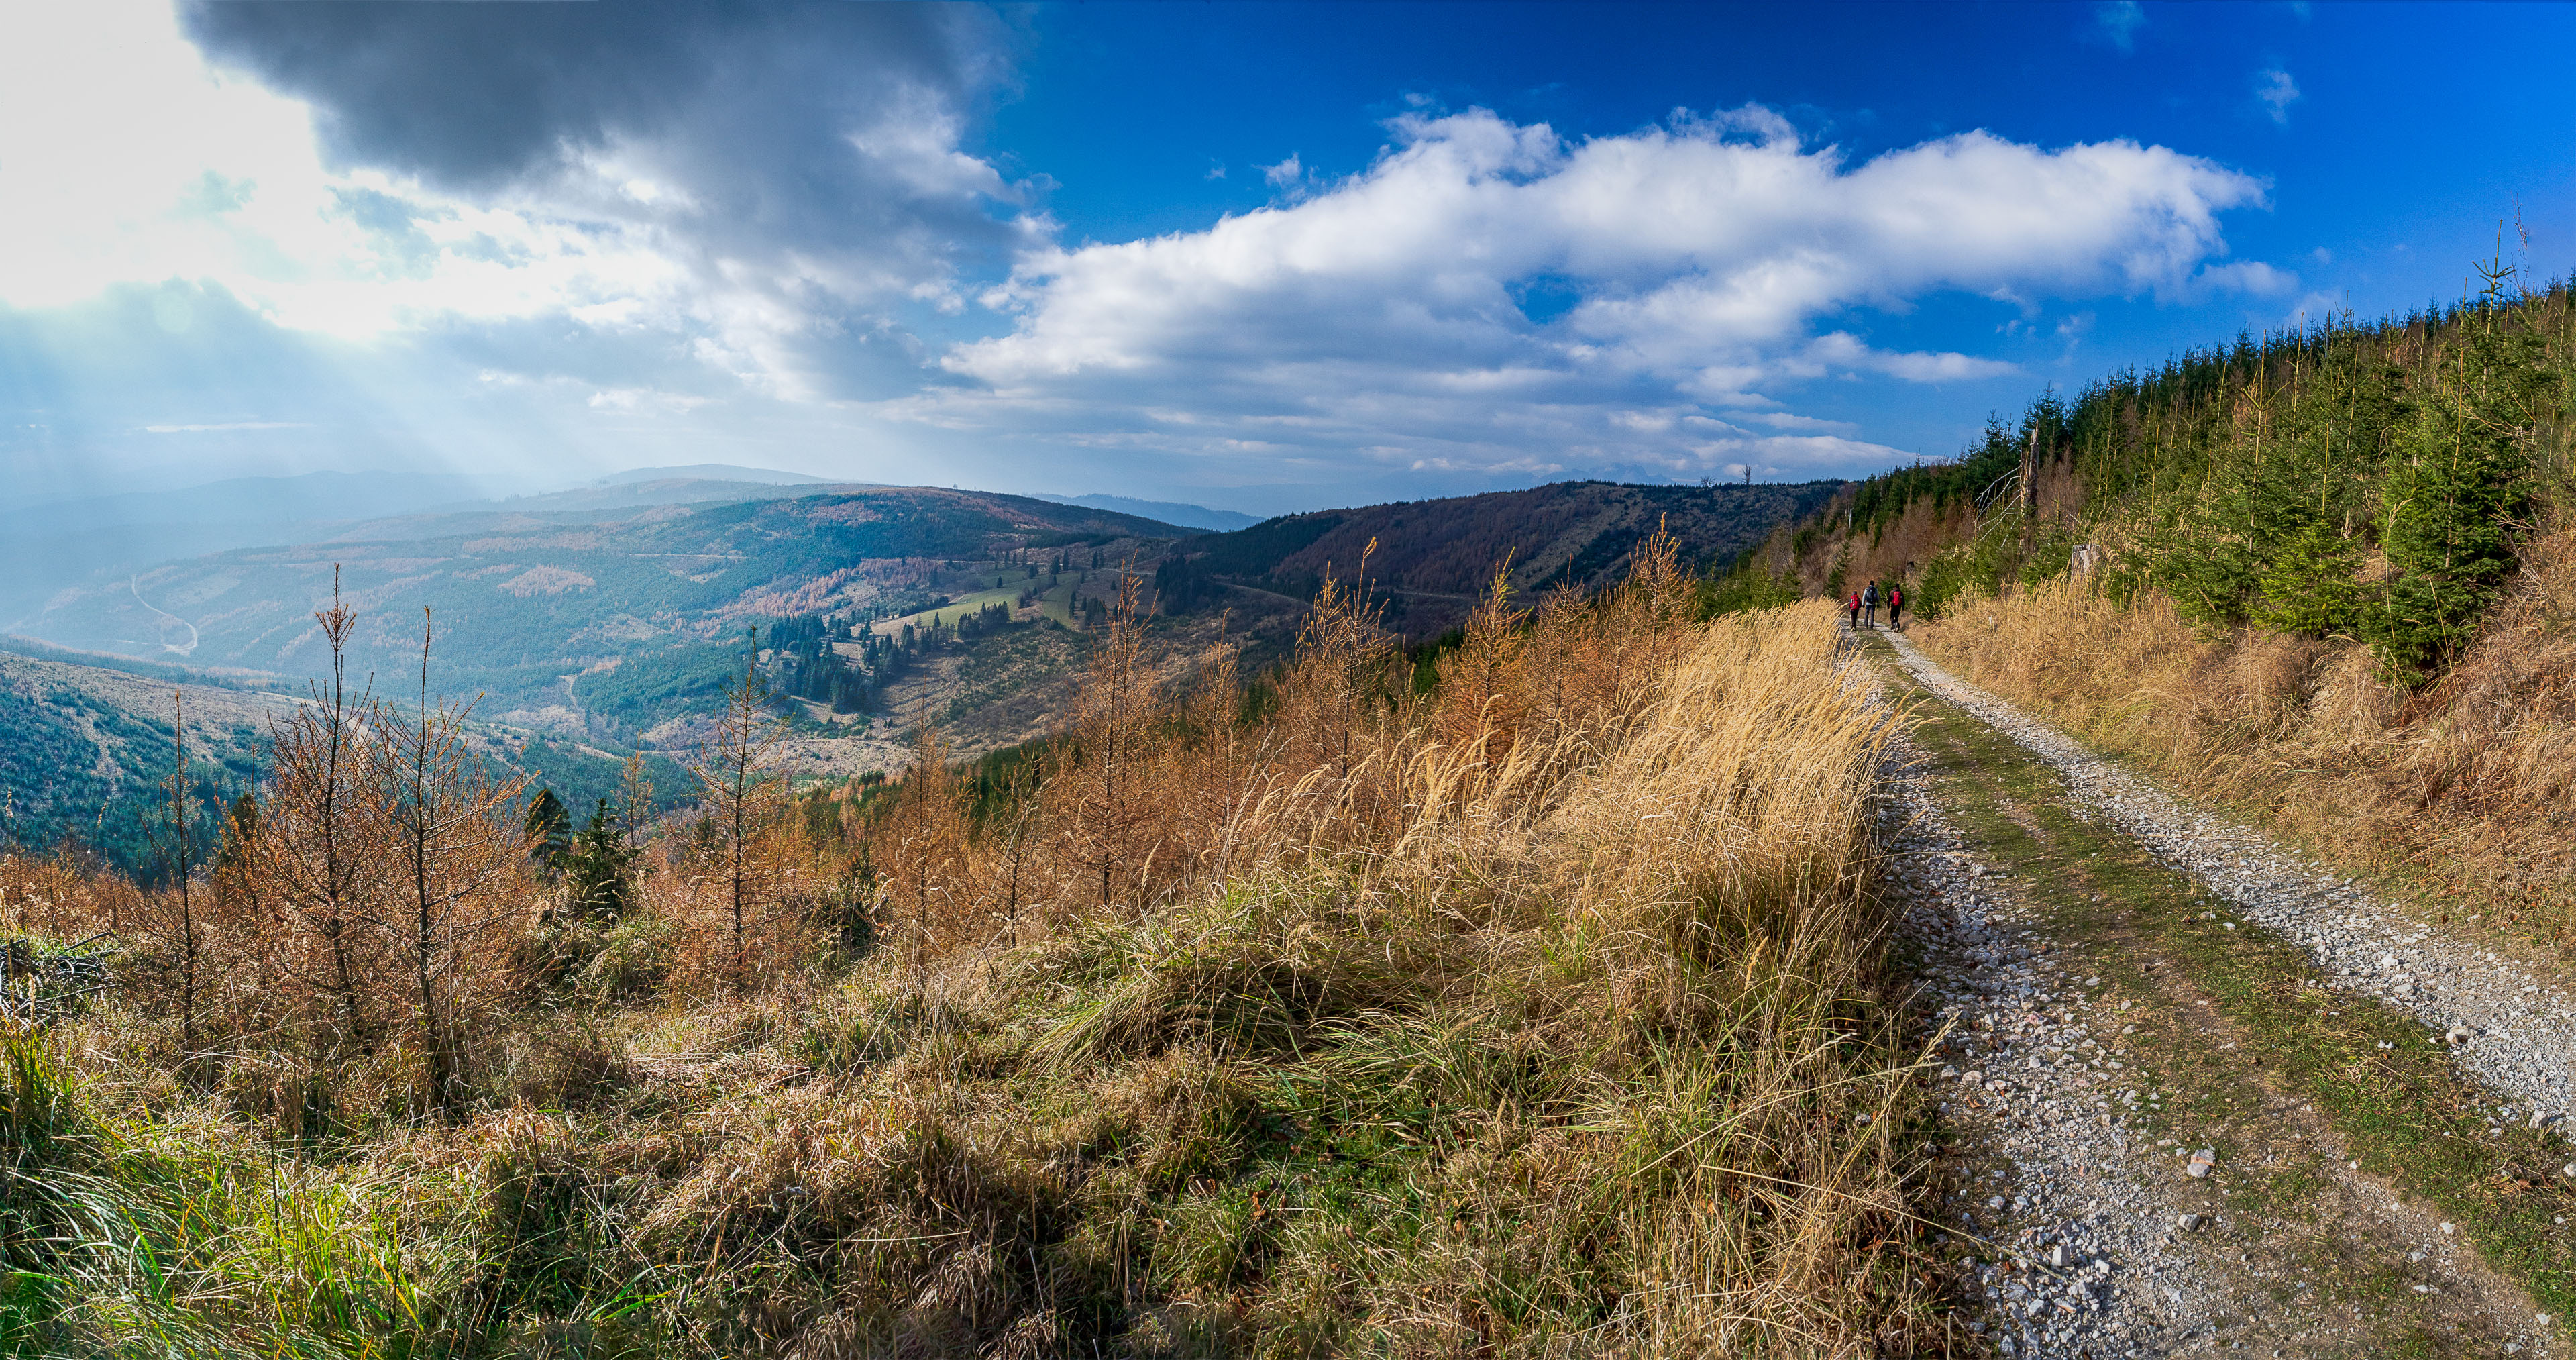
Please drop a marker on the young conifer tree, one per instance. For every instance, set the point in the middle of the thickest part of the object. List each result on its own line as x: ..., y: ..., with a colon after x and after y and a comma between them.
x: 744, y: 801
x: 319, y: 854
x: 549, y: 829
x: 459, y: 855
x: 1112, y: 812
x: 921, y: 844
x: 1482, y: 694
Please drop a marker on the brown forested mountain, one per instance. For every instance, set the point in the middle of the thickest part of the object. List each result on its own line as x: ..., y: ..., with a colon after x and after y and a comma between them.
x: 1432, y: 557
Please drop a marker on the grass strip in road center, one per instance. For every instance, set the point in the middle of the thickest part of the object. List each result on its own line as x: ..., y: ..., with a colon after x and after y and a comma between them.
x: 2385, y: 1084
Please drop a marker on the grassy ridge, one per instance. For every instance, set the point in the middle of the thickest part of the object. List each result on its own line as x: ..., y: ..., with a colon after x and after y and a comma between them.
x: 2329, y: 580
x: 1518, y: 1035
x: 2362, y: 480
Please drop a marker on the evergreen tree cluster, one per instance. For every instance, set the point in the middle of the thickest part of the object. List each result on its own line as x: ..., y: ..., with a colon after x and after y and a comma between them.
x: 1183, y: 583
x: 2368, y: 482
x: 886, y: 657
x: 810, y: 667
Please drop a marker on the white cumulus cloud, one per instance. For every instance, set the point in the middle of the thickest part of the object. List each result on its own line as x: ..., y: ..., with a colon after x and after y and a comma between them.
x: 1393, y: 316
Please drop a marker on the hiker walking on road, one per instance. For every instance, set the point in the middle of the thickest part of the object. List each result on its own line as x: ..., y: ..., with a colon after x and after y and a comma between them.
x: 1853, y: 604
x: 1895, y: 608
x: 1869, y: 604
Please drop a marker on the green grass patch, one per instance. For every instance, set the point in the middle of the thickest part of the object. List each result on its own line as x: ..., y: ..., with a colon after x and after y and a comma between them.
x: 954, y: 610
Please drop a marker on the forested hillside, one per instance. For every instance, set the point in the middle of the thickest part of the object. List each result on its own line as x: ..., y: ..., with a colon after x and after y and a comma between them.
x: 2367, y: 481
x: 1431, y: 559
x: 87, y: 755
x: 2326, y: 574
x: 525, y: 603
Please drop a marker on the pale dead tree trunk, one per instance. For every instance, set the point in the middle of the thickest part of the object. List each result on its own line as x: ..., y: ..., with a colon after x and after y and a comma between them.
x: 460, y: 852
x: 315, y: 849
x: 743, y: 800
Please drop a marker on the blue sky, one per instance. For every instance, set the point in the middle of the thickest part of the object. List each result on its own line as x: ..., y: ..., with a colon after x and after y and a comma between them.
x: 1259, y: 256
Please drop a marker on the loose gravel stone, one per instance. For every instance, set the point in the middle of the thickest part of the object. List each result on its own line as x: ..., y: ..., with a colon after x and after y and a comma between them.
x: 2077, y: 1262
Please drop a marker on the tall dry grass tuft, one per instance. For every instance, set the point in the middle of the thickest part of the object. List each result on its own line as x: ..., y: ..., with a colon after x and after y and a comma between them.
x: 2463, y: 783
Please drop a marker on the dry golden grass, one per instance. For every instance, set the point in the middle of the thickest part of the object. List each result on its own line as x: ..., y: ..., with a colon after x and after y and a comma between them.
x: 1540, y: 1017
x: 2464, y: 783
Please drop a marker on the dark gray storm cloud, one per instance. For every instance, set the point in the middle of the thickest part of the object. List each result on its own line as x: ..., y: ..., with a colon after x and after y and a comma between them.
x: 473, y: 95
x: 806, y: 160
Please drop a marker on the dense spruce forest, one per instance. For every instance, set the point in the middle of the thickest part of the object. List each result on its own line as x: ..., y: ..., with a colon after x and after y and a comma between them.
x: 2358, y: 479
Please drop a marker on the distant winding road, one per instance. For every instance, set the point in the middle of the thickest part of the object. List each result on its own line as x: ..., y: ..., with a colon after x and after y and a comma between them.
x: 166, y: 645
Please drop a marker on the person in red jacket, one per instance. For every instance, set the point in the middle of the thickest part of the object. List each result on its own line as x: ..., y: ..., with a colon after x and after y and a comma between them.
x: 1853, y: 604
x: 1895, y: 608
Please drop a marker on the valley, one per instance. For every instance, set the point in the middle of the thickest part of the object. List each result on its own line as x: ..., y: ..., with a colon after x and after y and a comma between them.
x: 602, y: 623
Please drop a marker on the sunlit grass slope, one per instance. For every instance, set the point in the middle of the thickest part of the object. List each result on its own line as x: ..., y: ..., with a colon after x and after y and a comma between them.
x: 1545, y: 1018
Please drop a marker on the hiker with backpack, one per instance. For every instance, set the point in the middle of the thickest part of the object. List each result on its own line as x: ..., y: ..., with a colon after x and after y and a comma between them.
x: 1853, y: 604
x: 1869, y: 604
x: 1895, y: 607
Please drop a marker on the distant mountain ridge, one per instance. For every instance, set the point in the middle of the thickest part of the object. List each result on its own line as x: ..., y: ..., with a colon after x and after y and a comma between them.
x: 716, y: 472
x: 52, y: 545
x: 1182, y: 513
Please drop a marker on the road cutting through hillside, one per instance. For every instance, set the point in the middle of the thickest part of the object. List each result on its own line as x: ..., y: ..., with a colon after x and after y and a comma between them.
x: 2171, y: 1129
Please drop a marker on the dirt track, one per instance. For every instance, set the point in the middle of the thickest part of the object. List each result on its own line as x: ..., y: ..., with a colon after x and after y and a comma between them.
x: 2197, y: 1100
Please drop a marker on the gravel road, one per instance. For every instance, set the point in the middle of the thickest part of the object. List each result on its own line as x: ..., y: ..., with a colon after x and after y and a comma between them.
x: 2098, y: 1238
x: 2084, y: 1254
x: 2513, y: 1030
